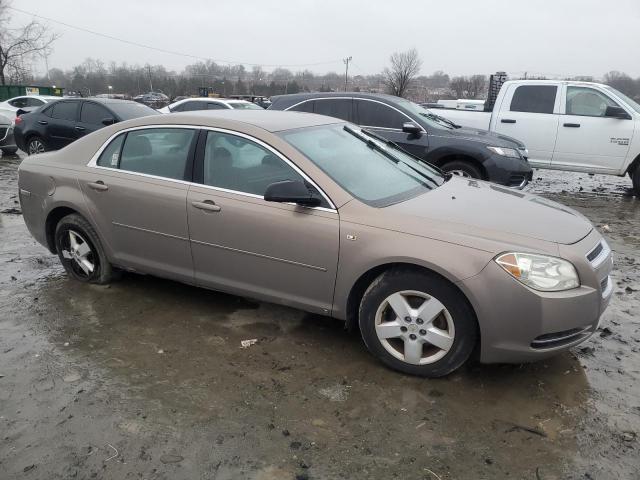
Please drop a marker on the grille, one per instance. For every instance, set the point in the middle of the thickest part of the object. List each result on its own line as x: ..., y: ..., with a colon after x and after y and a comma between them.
x: 593, y: 254
x: 604, y: 283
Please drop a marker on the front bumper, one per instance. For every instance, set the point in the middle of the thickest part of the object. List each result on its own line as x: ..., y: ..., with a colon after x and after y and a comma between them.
x: 519, y: 324
x: 6, y: 136
x: 510, y: 172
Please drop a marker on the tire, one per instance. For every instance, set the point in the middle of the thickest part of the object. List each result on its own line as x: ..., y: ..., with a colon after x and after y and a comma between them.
x: 463, y: 168
x: 9, y: 151
x: 635, y: 178
x: 97, y: 268
x: 36, y: 145
x: 452, y: 323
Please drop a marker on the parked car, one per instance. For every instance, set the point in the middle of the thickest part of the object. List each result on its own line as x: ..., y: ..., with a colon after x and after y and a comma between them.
x: 206, y: 103
x: 259, y: 100
x: 152, y: 99
x: 315, y: 213
x: 574, y: 126
x: 8, y: 108
x: 57, y: 124
x: 7, y: 142
x: 460, y: 151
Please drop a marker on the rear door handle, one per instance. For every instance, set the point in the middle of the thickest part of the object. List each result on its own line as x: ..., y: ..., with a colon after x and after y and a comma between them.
x: 508, y: 120
x: 43, y: 122
x: 99, y: 186
x: 80, y: 129
x: 208, y: 205
x: 571, y: 125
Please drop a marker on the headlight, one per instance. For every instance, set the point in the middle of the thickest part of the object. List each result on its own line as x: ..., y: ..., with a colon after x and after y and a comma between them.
x: 505, y: 152
x: 548, y: 274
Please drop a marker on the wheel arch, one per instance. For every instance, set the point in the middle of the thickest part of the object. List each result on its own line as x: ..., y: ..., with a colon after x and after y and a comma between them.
x: 362, y: 283
x: 53, y: 218
x: 633, y: 165
x: 462, y: 157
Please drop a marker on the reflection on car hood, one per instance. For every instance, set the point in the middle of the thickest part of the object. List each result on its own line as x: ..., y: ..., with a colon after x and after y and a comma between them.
x: 489, y: 211
x: 484, y: 136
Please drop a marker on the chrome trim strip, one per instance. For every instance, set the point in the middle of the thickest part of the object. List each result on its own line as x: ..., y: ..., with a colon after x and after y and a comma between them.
x: 94, y: 159
x: 149, y: 231
x: 609, y: 289
x: 254, y: 254
x: 560, y: 339
x: 602, y: 256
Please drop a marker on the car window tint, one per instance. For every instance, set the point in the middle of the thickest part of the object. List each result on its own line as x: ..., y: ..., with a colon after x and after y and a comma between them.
x: 587, y: 102
x: 110, y: 156
x: 374, y: 114
x: 534, y: 98
x: 33, y: 102
x: 18, y: 102
x: 64, y: 111
x: 93, y: 113
x: 334, y: 107
x: 238, y: 164
x: 215, y: 106
x: 304, y: 107
x: 157, y: 151
x: 193, y: 106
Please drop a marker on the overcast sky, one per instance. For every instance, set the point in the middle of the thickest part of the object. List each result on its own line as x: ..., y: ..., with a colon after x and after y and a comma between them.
x: 550, y: 37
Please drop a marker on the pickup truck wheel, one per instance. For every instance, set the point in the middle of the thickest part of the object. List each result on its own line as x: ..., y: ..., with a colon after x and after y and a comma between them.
x: 417, y: 323
x: 635, y: 178
x: 463, y: 169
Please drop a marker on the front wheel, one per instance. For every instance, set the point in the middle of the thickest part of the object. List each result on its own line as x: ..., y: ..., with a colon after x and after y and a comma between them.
x: 462, y: 168
x: 36, y: 145
x: 417, y: 323
x: 80, y: 251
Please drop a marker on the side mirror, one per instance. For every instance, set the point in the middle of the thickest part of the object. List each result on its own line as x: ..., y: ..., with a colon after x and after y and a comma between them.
x: 410, y: 127
x: 291, y: 191
x: 108, y: 121
x: 617, y: 112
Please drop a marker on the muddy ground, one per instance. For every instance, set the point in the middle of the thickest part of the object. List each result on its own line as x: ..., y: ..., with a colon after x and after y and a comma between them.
x: 146, y: 379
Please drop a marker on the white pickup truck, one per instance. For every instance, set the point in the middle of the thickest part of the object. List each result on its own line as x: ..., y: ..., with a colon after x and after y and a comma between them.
x: 576, y: 126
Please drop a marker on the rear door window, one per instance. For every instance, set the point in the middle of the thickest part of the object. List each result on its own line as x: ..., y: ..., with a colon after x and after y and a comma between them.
x: 534, y: 98
x: 375, y: 114
x: 193, y: 106
x: 304, y: 107
x: 64, y: 111
x: 162, y: 152
x: 215, y: 106
x: 93, y: 113
x: 110, y: 156
x: 334, y: 107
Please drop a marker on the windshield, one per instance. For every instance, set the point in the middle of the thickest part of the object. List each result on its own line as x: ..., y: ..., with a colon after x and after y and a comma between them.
x: 632, y: 103
x: 245, y: 106
x: 374, y: 172
x: 129, y: 110
x: 435, y: 121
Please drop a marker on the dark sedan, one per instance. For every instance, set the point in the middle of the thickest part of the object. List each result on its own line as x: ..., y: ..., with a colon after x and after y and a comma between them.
x: 59, y: 123
x: 461, y: 151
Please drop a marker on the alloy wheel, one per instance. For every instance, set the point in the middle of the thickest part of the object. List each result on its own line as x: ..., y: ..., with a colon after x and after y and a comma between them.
x: 79, y: 252
x: 35, y: 146
x: 460, y: 173
x: 414, y: 327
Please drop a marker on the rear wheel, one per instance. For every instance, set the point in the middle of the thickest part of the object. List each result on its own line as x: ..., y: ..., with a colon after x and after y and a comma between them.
x: 462, y: 168
x: 635, y: 178
x: 417, y: 323
x: 36, y: 145
x: 80, y: 251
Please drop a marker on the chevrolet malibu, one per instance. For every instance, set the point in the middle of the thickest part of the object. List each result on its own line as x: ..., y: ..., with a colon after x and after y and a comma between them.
x: 318, y: 214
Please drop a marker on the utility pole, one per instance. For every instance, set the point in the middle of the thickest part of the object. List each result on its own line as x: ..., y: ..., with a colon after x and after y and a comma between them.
x: 346, y: 72
x: 150, y: 82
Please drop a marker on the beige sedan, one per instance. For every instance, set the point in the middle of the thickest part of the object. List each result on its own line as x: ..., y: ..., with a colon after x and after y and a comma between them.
x: 318, y: 214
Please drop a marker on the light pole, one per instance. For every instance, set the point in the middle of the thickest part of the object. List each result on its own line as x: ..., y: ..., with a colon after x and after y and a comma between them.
x: 110, y: 90
x: 346, y: 71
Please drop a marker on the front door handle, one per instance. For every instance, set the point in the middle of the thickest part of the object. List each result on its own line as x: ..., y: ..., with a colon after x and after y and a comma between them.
x: 99, y: 186
x: 208, y: 205
x: 571, y: 125
x: 43, y: 122
x: 80, y: 129
x: 508, y: 120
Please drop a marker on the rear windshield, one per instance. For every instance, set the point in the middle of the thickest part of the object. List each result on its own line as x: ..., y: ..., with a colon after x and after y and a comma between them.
x: 245, y: 106
x: 129, y: 110
x: 374, y: 172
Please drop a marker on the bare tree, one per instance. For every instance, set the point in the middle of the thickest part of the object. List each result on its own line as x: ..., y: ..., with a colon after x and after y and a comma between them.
x: 18, y: 46
x: 405, y: 66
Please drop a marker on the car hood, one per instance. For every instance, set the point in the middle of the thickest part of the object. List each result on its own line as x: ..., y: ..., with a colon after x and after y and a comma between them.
x: 468, y: 211
x: 483, y: 136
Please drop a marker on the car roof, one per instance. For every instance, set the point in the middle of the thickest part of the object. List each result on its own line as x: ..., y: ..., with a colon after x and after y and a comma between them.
x: 211, y: 99
x: 104, y: 101
x: 269, y: 120
x: 299, y: 97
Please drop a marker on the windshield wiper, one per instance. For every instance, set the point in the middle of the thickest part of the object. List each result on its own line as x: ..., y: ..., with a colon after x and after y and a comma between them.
x: 370, y: 143
x: 440, y: 119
